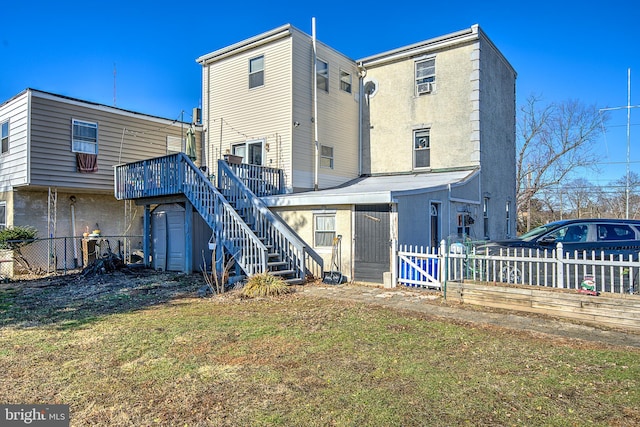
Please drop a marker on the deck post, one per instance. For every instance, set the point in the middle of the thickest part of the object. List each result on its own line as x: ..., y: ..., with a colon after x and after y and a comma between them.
x: 146, y: 233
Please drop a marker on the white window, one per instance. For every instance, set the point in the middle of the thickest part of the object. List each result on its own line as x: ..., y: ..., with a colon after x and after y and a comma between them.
x: 425, y: 75
x: 485, y: 216
x: 508, y: 215
x: 4, y: 134
x: 322, y: 75
x: 250, y: 151
x: 464, y: 224
x: 84, y: 137
x: 3, y: 215
x: 324, y: 229
x: 345, y: 81
x: 421, y: 149
x: 326, y: 157
x: 256, y: 72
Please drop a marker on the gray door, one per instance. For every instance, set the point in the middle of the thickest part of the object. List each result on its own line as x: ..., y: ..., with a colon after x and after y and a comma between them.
x: 159, y: 241
x: 372, y: 243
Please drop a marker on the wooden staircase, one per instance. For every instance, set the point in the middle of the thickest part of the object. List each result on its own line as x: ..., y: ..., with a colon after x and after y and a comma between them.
x: 258, y: 240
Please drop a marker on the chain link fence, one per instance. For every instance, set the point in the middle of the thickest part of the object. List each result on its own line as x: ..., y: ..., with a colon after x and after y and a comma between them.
x: 63, y: 255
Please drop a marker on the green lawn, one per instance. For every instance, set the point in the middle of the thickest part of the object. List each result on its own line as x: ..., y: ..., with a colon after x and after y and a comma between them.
x: 300, y: 361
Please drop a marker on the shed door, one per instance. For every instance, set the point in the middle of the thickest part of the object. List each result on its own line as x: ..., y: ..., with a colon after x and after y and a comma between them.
x: 175, y: 241
x: 159, y: 242
x: 372, y: 242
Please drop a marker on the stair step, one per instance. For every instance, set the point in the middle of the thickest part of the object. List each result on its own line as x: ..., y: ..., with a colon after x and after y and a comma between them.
x: 277, y: 264
x: 282, y: 272
x: 294, y: 281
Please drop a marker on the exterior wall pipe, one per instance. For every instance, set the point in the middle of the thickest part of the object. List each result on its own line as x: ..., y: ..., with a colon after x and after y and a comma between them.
x: 361, y: 75
x: 315, y: 103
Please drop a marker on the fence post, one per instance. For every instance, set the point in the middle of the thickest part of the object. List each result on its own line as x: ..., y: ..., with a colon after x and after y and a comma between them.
x: 442, y: 266
x: 559, y: 266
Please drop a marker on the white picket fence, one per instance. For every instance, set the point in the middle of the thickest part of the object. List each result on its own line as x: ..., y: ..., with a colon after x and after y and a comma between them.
x: 429, y: 268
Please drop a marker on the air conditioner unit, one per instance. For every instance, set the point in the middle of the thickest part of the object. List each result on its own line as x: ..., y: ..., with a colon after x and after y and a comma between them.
x: 424, y: 88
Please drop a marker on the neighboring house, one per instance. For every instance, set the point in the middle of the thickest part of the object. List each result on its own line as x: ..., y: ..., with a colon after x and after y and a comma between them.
x: 57, y: 164
x: 409, y: 146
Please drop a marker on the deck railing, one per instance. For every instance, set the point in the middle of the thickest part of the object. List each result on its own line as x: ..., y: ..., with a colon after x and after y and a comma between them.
x: 274, y: 231
x: 177, y: 174
x: 261, y: 180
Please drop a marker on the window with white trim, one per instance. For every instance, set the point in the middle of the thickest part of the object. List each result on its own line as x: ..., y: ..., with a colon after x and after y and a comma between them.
x: 485, y: 216
x: 324, y: 229
x: 4, y: 134
x: 326, y: 157
x: 322, y: 75
x: 421, y: 148
x: 3, y: 215
x: 84, y: 137
x: 345, y: 81
x: 425, y: 75
x: 256, y: 72
x: 508, y: 216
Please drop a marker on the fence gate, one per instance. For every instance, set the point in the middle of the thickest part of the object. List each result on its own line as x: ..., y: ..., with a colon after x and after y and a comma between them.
x: 418, y: 267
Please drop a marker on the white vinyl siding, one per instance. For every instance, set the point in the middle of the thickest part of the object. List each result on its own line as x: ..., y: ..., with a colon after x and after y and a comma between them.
x: 14, y: 163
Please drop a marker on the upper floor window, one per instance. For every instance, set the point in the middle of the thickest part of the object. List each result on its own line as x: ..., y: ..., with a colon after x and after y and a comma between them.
x: 84, y: 137
x: 4, y: 134
x: 345, y: 81
x: 326, y: 156
x: 421, y: 149
x: 425, y: 75
x: 3, y: 215
x: 322, y: 75
x: 256, y: 72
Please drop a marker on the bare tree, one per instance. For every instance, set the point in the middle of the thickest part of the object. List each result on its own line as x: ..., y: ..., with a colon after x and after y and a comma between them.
x: 617, y: 198
x: 554, y: 141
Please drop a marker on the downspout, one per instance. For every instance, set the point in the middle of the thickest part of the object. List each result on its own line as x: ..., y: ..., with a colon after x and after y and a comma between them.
x: 362, y: 73
x: 315, y: 104
x: 72, y: 199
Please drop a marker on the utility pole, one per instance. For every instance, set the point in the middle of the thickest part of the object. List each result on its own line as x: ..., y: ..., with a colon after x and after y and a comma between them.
x: 628, y: 108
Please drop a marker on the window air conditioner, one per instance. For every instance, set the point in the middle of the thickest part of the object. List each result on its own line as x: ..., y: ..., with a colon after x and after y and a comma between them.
x: 424, y: 88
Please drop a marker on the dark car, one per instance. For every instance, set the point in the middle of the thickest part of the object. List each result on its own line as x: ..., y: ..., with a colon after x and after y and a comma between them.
x: 613, y: 236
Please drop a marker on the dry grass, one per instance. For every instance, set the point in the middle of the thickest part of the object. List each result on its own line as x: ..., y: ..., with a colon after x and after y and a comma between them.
x: 294, y: 360
x: 265, y: 285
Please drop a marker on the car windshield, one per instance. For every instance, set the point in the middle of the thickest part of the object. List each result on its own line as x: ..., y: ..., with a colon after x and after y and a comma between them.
x: 530, y: 235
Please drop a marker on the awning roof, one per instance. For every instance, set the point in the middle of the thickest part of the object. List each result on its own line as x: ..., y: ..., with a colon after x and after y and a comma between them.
x: 373, y: 190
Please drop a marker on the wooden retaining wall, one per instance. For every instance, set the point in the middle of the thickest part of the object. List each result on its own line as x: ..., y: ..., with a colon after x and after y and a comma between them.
x: 619, y: 311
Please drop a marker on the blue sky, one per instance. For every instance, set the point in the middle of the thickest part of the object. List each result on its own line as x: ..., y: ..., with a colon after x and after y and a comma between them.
x: 561, y: 49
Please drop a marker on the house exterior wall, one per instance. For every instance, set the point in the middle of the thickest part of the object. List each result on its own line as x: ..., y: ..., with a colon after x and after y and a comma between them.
x: 281, y: 112
x: 301, y: 219
x: 122, y: 137
x: 395, y: 111
x: 14, y: 165
x: 497, y: 118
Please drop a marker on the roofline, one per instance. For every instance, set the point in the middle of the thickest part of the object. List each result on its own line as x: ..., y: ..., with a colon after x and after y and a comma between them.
x: 470, y: 34
x: 250, y: 43
x: 95, y: 105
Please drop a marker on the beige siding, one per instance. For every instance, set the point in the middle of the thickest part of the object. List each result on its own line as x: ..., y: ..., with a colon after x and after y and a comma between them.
x: 337, y: 117
x: 122, y: 137
x: 395, y: 111
x: 301, y: 219
x: 237, y: 114
x: 14, y: 164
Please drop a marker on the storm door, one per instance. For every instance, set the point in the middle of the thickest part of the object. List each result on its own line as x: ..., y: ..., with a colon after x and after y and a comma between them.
x: 372, y: 242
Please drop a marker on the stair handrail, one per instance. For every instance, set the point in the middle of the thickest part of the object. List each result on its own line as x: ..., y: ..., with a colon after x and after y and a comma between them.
x: 272, y: 226
x: 176, y: 174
